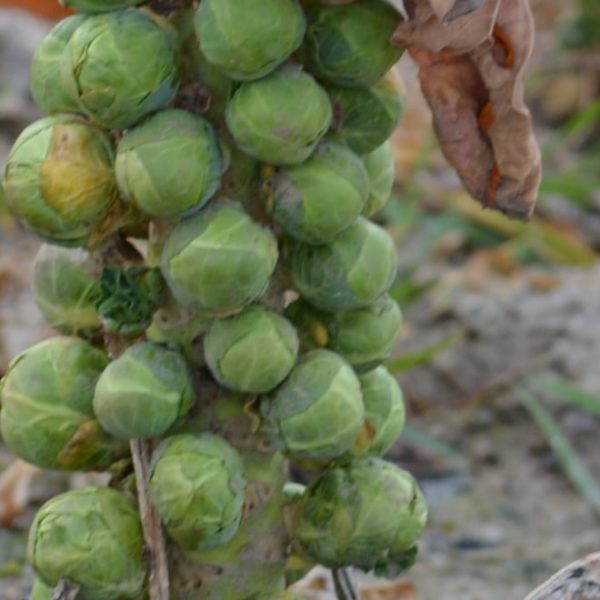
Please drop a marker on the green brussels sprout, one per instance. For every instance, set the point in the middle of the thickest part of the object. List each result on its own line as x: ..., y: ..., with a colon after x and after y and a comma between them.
x: 364, y: 336
x: 47, y: 417
x: 318, y: 199
x: 381, y: 168
x: 93, y: 537
x: 357, y: 268
x: 281, y: 118
x: 384, y: 405
x: 59, y: 179
x: 351, y: 45
x: 41, y: 591
x: 66, y: 289
x: 45, y: 75
x: 170, y: 165
x: 219, y: 260
x: 197, y: 485
x: 368, y: 514
x: 318, y: 412
x: 241, y: 177
x: 251, y: 352
x: 247, y: 39
x: 99, y: 6
x: 144, y: 393
x: 120, y: 67
x: 367, y: 116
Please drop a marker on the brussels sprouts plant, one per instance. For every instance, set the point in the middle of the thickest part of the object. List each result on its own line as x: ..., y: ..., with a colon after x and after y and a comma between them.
x: 204, y: 176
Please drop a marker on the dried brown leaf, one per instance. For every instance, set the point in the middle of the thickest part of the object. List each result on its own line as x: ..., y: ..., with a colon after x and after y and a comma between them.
x: 472, y: 55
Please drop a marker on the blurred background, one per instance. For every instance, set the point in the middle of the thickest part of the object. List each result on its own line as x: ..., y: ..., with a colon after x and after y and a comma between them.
x: 500, y: 357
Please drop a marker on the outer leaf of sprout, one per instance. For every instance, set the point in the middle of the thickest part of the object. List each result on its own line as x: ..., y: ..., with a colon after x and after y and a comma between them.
x: 356, y: 269
x: 197, y: 485
x: 219, y: 260
x: 381, y: 169
x: 351, y: 45
x: 144, y: 393
x: 170, y: 165
x: 59, y: 179
x: 367, y: 513
x: 318, y: 412
x: 251, y: 352
x: 99, y: 6
x: 93, y: 537
x: 317, y: 200
x: 121, y: 66
x: 47, y: 417
x: 281, y: 118
x: 247, y: 39
x: 66, y: 289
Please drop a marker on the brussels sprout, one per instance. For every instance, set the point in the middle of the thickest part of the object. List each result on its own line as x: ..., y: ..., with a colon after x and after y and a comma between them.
x: 251, y: 352
x: 170, y: 165
x: 45, y: 75
x: 356, y: 269
x: 144, y: 392
x: 197, y: 485
x: 381, y: 168
x: 59, y: 179
x: 351, y: 45
x: 318, y: 199
x: 241, y: 179
x: 120, y: 67
x: 364, y: 336
x: 247, y: 39
x: 281, y: 118
x: 93, y: 537
x: 368, y: 514
x: 384, y: 405
x: 219, y: 260
x: 47, y: 417
x: 318, y: 412
x: 66, y: 289
x: 99, y: 6
x: 41, y: 591
x: 367, y: 116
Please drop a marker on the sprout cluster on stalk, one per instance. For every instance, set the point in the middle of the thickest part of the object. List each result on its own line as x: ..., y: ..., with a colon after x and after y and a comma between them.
x: 203, y: 179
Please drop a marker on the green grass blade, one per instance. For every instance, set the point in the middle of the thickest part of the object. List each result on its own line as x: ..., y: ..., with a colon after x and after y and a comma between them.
x: 568, y: 393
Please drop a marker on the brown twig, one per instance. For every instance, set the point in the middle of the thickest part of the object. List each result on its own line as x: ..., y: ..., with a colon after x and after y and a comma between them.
x: 345, y: 588
x: 153, y: 535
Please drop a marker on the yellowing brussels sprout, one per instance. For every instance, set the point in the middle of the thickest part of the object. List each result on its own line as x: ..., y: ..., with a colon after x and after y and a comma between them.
x: 247, y: 39
x: 144, y: 392
x: 315, y: 201
x: 59, y: 179
x: 98, y: 6
x: 251, y: 352
x: 279, y: 119
x: 93, y: 537
x: 364, y: 336
x: 45, y: 74
x: 351, y: 45
x: 318, y: 412
x: 47, y: 417
x: 170, y: 165
x: 356, y: 269
x: 120, y: 67
x: 219, y: 260
x: 384, y: 405
x: 381, y: 168
x: 197, y: 485
x: 66, y: 289
x: 367, y: 116
x: 368, y: 514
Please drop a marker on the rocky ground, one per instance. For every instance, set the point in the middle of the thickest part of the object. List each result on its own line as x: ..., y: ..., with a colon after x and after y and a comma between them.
x: 503, y: 516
